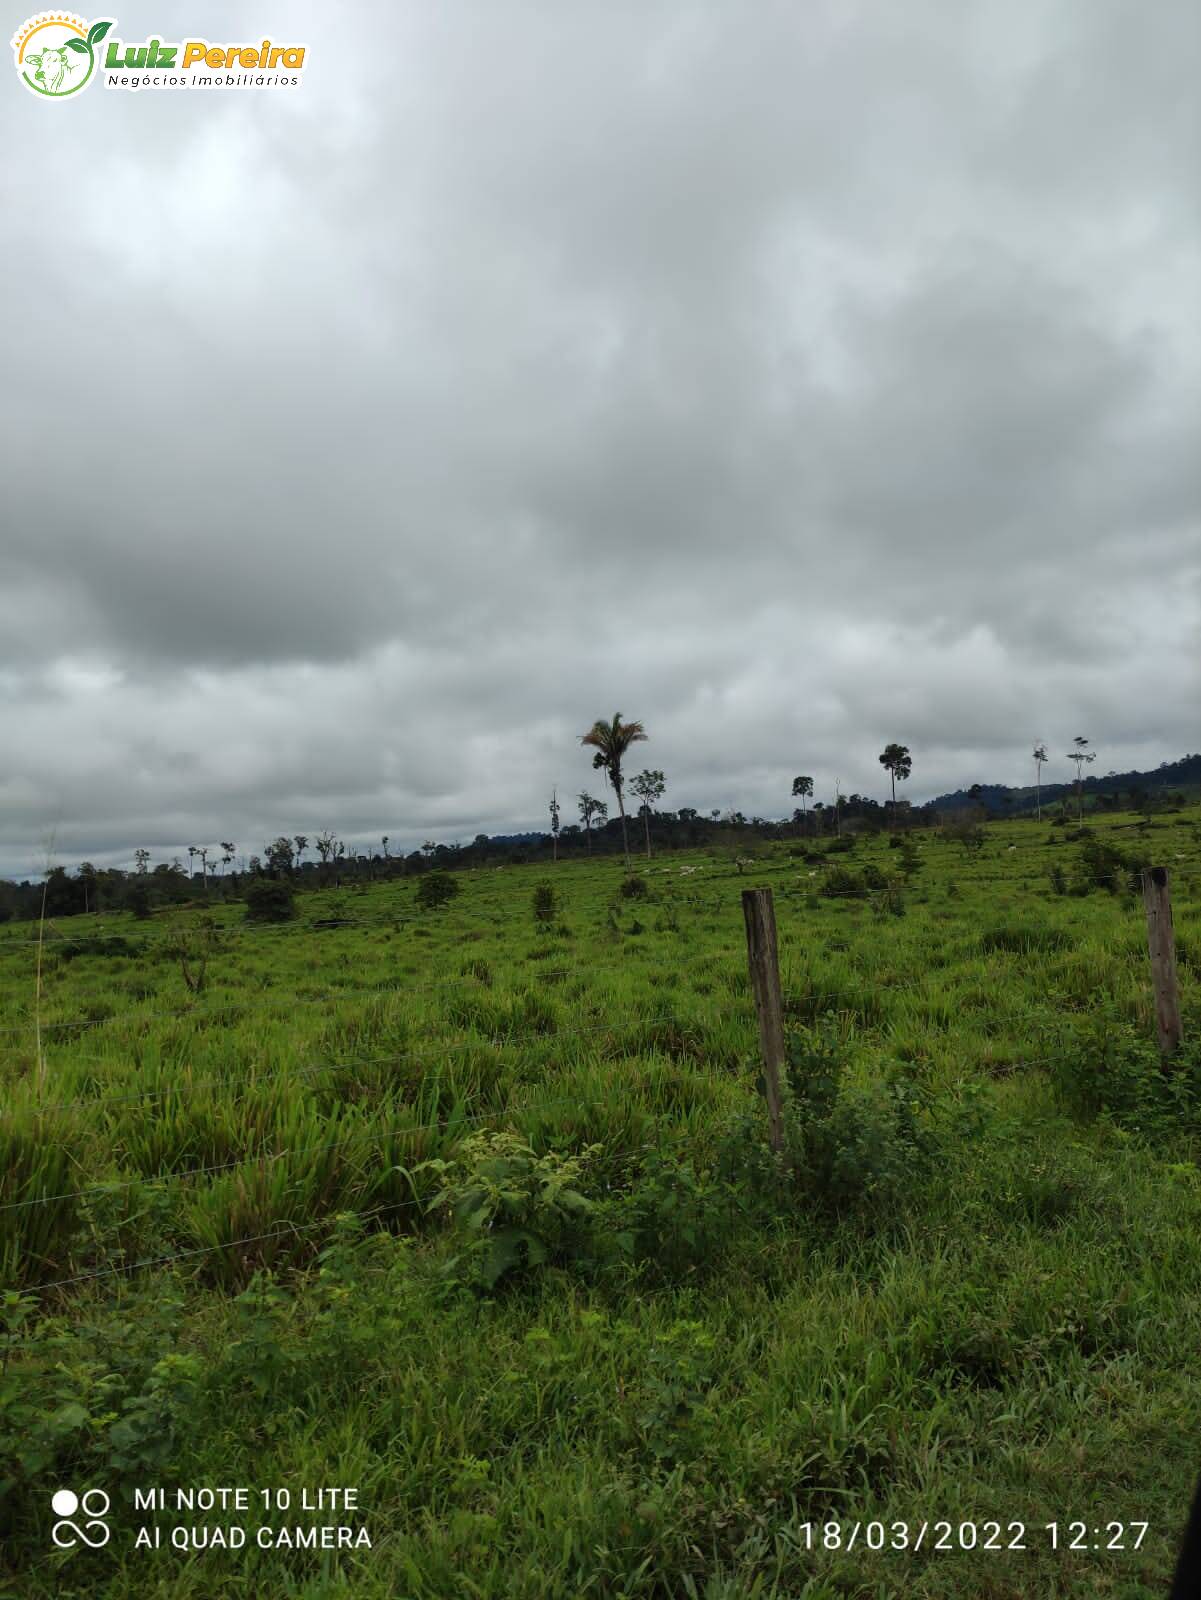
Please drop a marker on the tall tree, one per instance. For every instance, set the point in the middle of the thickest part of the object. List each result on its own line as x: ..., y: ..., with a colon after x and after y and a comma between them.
x: 554, y: 822
x: 591, y: 810
x: 301, y: 841
x: 897, y: 762
x: 802, y: 790
x: 1081, y: 755
x: 1040, y: 755
x: 649, y: 787
x: 142, y: 858
x: 610, y: 741
x: 279, y: 854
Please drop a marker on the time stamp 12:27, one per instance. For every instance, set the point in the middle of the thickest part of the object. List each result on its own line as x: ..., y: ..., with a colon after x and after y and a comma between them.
x: 850, y: 1535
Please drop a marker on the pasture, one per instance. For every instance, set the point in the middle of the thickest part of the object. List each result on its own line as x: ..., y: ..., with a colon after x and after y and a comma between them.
x: 473, y: 1211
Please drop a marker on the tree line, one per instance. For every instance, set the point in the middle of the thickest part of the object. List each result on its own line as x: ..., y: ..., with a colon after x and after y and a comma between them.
x: 217, y: 872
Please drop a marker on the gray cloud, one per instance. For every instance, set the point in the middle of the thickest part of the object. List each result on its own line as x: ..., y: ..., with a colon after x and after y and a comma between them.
x: 792, y: 381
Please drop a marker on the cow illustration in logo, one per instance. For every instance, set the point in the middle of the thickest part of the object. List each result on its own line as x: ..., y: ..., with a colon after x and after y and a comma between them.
x: 94, y: 1504
x: 56, y: 53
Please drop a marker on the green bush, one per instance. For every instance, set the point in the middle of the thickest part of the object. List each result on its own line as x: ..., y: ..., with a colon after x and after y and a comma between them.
x: 840, y: 881
x: 436, y: 889
x: 854, y: 1148
x: 270, y: 900
x: 1119, y: 1074
x: 633, y: 887
x: 544, y: 903
x: 671, y: 1221
x: 515, y: 1211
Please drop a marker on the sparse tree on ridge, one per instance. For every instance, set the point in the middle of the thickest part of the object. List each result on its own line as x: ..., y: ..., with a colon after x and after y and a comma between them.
x: 611, y: 740
x: 142, y: 860
x: 898, y: 763
x: 591, y: 810
x: 1040, y: 755
x: 279, y: 855
x: 1081, y: 755
x: 802, y: 790
x: 301, y: 841
x: 554, y: 823
x: 649, y: 787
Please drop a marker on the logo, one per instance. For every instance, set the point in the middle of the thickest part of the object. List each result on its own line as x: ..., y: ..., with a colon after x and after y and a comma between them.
x: 95, y: 1532
x: 56, y: 53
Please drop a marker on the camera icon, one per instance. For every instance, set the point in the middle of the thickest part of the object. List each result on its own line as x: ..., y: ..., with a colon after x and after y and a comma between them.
x: 94, y: 1504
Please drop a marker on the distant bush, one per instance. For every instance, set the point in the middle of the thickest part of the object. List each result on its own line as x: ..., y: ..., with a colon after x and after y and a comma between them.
x: 1059, y: 879
x: 841, y: 845
x: 633, y: 887
x: 544, y: 903
x: 270, y: 900
x: 436, y: 889
x: 100, y: 944
x: 840, y: 881
x: 873, y: 878
x: 964, y: 829
x: 1101, y: 865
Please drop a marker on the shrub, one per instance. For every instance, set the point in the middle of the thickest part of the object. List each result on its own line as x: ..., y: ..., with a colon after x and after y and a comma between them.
x: 911, y: 860
x: 270, y: 900
x: 857, y: 1148
x: 544, y: 903
x: 1104, y: 866
x: 436, y: 889
x: 515, y: 1210
x: 1119, y: 1074
x: 963, y: 829
x: 671, y: 1220
x: 840, y: 881
x: 1059, y: 879
x: 633, y: 887
x: 841, y: 845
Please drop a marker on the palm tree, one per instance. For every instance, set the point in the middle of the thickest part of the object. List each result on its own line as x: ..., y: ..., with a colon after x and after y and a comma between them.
x: 611, y: 740
x: 1040, y: 755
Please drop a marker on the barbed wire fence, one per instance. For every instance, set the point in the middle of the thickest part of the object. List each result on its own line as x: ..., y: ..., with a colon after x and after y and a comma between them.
x: 457, y: 1117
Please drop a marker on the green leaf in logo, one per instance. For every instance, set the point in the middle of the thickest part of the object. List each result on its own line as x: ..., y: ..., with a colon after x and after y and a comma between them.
x: 77, y: 44
x: 97, y: 31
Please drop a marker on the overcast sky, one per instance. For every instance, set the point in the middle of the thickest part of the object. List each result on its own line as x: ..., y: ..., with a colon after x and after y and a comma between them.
x: 792, y: 377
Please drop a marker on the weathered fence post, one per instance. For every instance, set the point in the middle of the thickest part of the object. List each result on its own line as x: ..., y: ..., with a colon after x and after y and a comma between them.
x: 764, y: 961
x: 1161, y: 942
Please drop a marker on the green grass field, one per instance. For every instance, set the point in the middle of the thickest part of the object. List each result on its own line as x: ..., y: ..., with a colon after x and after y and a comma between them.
x: 628, y: 1354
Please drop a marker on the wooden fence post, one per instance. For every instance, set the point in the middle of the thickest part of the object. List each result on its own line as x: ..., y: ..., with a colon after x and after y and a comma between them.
x: 1161, y: 942
x: 764, y: 961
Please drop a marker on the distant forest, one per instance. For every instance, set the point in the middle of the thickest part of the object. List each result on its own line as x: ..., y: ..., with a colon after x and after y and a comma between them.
x: 211, y: 874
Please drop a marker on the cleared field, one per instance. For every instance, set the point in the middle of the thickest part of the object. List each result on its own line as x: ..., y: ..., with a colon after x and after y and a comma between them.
x: 971, y: 1294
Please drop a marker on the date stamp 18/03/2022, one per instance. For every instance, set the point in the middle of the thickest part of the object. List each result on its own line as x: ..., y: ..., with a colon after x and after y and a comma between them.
x: 849, y: 1534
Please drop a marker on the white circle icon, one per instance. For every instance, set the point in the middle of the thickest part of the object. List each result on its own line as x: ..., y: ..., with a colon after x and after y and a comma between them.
x: 94, y: 1504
